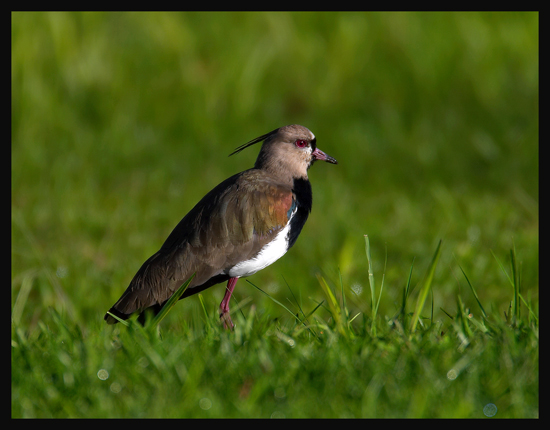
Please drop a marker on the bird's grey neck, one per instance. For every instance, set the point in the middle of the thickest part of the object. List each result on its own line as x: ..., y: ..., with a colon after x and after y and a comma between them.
x: 284, y: 169
x: 280, y: 170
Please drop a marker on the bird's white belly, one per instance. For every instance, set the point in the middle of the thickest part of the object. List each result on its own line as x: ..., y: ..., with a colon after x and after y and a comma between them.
x: 268, y: 255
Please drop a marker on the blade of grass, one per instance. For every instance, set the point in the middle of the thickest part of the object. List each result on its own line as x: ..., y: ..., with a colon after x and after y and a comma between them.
x: 206, y: 315
x: 358, y: 313
x: 374, y: 303
x: 432, y: 307
x: 502, y: 268
x: 425, y: 289
x: 344, y: 305
x: 21, y: 300
x: 332, y: 302
x: 447, y: 313
x: 171, y: 301
x: 406, y: 292
x: 382, y: 283
x: 274, y: 300
x: 463, y: 317
x: 335, y: 309
x: 513, y: 284
x: 474, y: 292
x: 371, y: 273
x: 120, y: 320
x: 314, y: 309
x: 285, y: 308
x: 515, y: 277
x: 371, y: 285
x: 295, y: 299
x: 203, y: 305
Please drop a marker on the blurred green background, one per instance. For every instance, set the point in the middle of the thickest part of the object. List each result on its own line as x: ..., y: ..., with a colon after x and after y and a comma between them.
x: 121, y: 122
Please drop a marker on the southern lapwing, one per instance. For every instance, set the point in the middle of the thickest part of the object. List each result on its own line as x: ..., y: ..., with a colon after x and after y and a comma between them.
x: 243, y: 225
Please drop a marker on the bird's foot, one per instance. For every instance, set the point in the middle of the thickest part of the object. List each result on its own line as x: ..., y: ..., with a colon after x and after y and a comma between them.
x: 225, y: 318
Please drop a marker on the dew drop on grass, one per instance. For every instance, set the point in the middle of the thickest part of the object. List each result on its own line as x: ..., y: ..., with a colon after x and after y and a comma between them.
x: 102, y: 374
x: 115, y: 387
x: 61, y: 272
x: 490, y: 410
x: 279, y: 392
x: 452, y: 374
x: 272, y: 288
x: 357, y: 288
x: 205, y: 403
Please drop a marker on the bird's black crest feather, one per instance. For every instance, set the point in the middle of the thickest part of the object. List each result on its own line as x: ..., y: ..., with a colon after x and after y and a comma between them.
x: 254, y: 141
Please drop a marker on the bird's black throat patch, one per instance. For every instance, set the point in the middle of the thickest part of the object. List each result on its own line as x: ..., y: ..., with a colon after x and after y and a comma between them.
x: 304, y: 201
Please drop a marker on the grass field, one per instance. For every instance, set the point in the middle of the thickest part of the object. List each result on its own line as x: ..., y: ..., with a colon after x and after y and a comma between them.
x: 121, y: 122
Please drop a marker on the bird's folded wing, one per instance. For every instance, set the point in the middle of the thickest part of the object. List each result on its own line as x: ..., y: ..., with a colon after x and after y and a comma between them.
x: 230, y: 224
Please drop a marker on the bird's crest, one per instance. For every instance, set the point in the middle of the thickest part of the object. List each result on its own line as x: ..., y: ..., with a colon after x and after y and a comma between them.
x: 254, y: 141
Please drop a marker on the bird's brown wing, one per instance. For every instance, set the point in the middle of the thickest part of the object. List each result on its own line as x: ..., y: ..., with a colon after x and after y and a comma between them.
x: 230, y: 224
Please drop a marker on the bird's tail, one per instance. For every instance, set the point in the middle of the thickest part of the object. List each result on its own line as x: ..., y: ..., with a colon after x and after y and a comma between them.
x: 145, y: 291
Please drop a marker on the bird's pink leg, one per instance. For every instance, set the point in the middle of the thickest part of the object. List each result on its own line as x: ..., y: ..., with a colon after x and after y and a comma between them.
x: 224, y: 305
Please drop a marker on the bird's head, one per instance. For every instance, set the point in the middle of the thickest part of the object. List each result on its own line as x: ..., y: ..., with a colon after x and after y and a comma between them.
x: 289, y: 150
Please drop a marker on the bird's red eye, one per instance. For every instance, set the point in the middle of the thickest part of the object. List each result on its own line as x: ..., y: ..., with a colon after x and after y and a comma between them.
x: 300, y: 143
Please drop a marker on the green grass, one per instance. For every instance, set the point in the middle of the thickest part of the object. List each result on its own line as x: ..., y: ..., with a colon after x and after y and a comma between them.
x: 122, y: 121
x: 326, y: 363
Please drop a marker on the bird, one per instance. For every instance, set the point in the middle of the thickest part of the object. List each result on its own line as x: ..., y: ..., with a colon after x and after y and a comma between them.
x: 241, y: 226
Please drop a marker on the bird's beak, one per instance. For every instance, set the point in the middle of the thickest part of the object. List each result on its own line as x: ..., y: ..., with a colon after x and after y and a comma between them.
x: 320, y: 155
